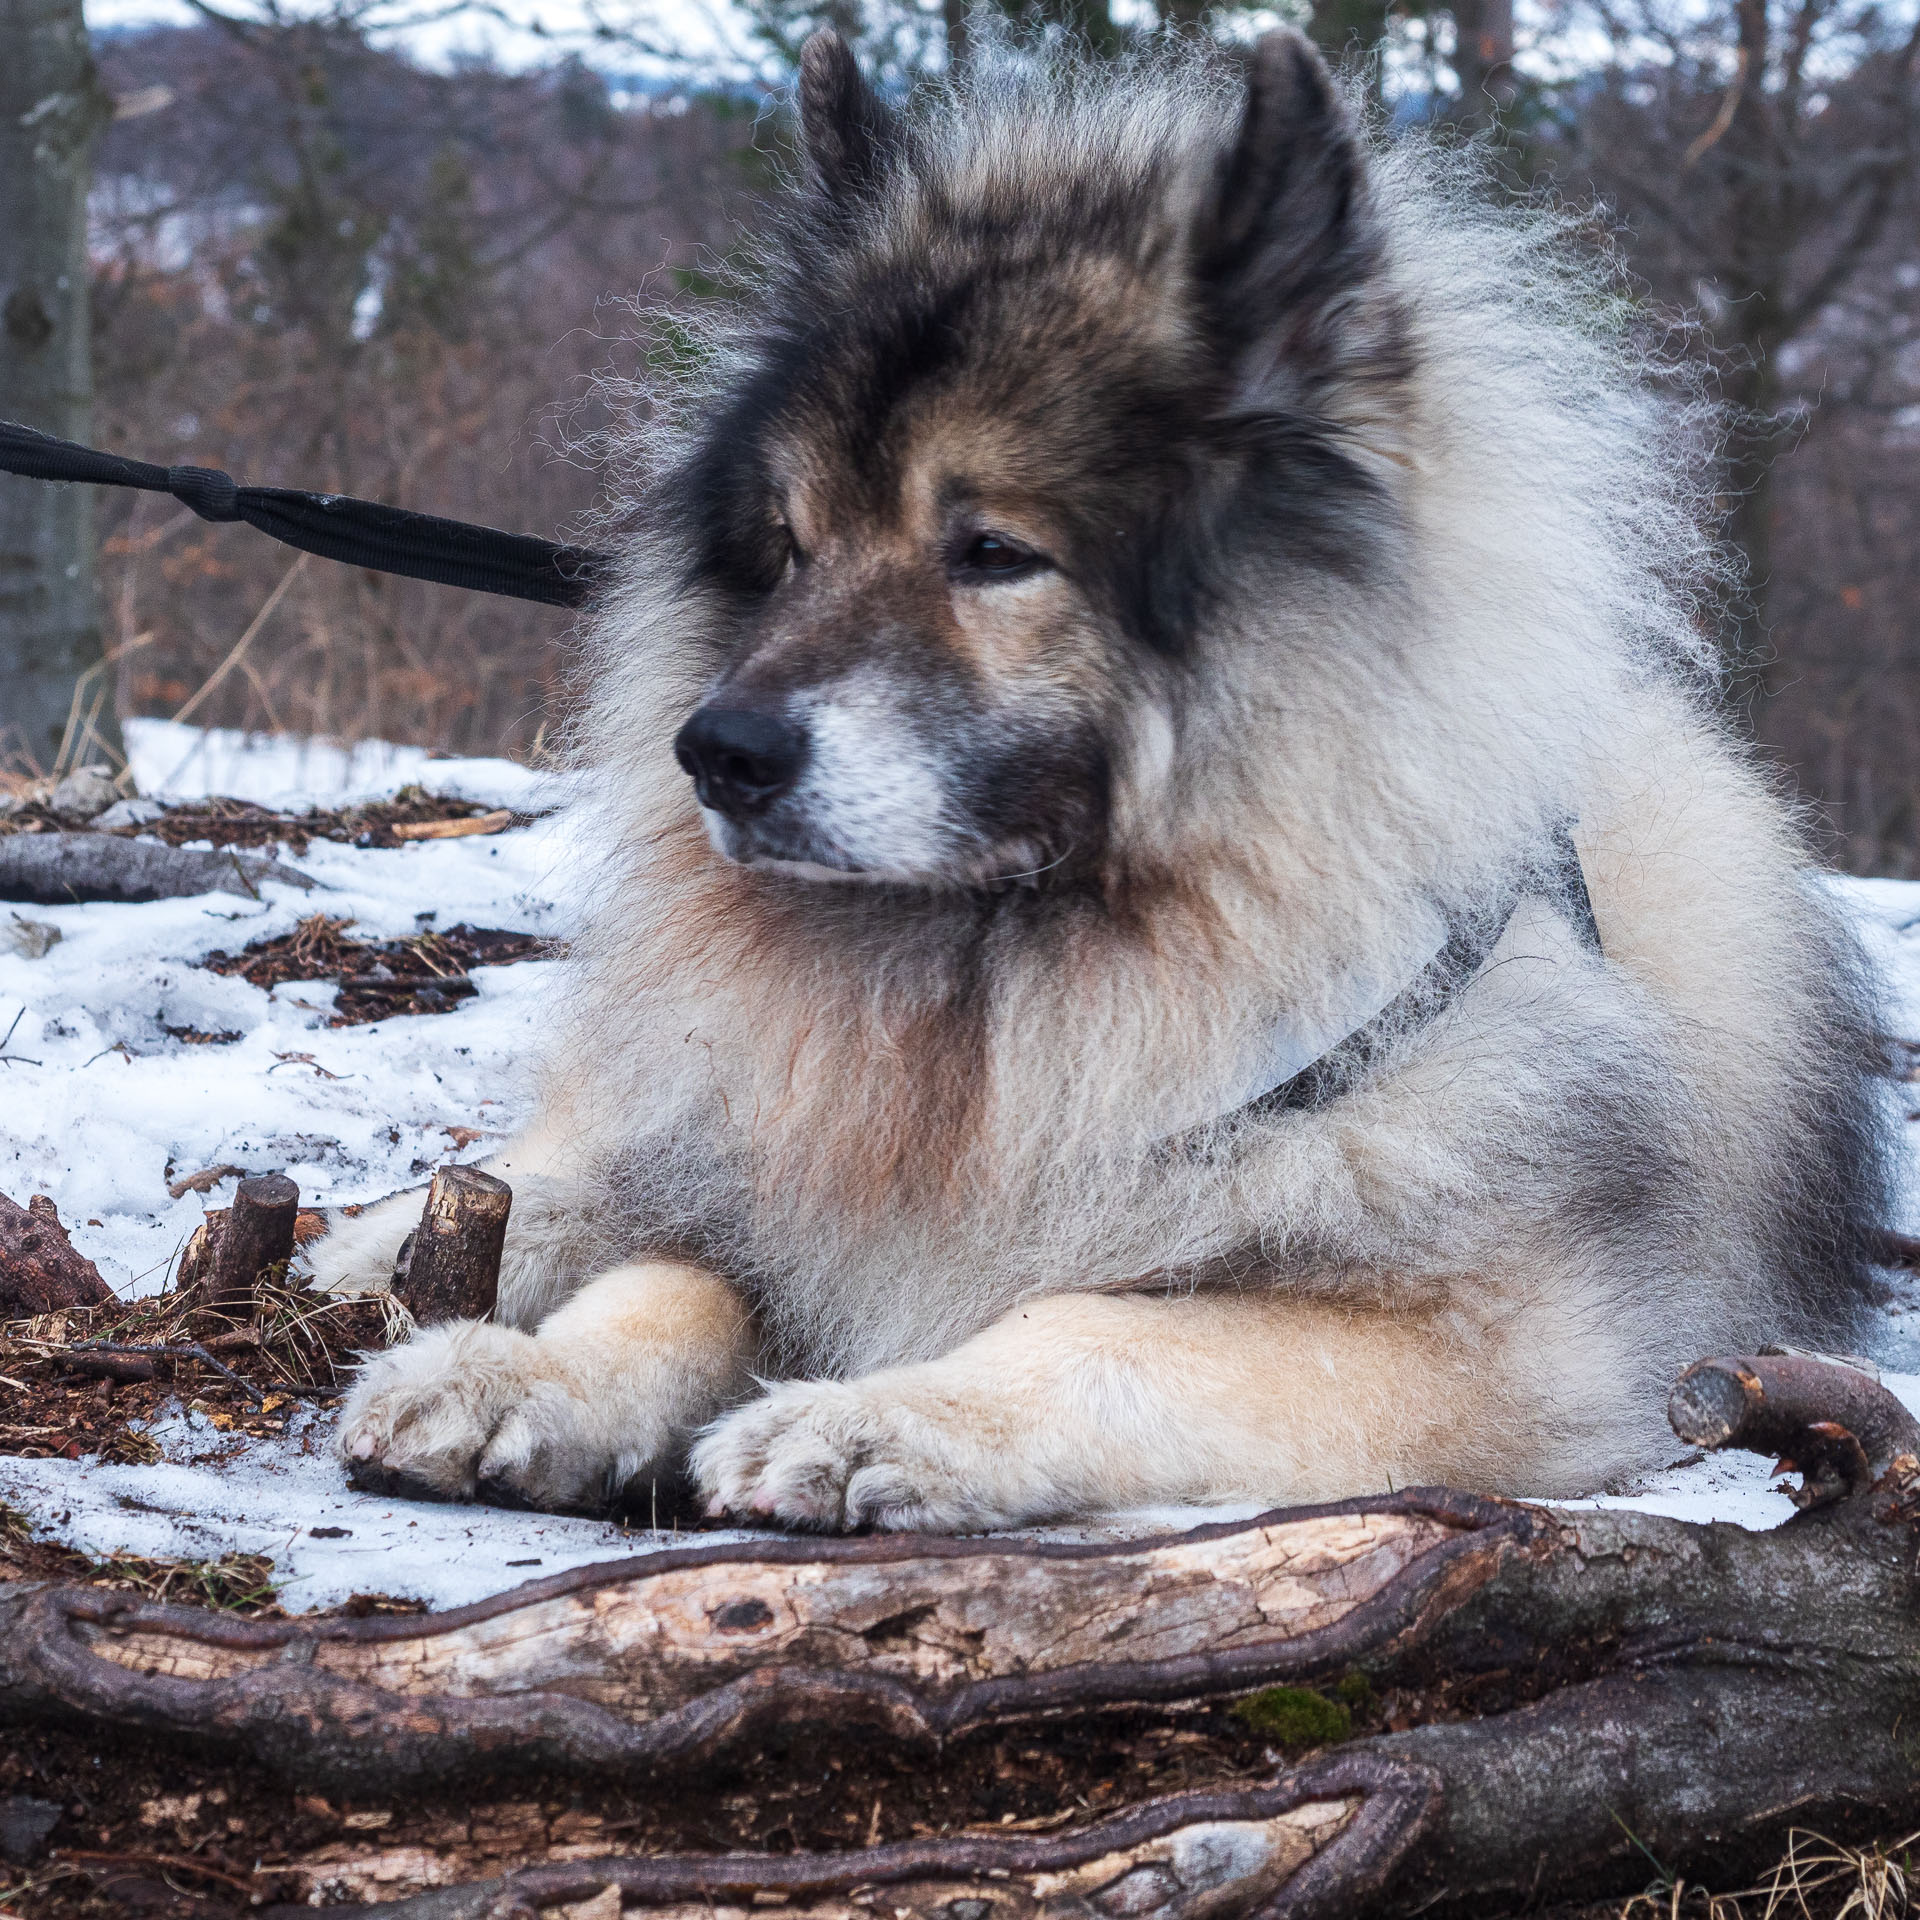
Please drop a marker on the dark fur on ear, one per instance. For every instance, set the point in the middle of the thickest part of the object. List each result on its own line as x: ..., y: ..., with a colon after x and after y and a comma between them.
x: 1289, y: 232
x: 847, y: 134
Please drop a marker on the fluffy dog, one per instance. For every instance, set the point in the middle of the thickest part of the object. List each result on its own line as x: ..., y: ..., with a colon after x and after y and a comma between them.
x: 1176, y: 925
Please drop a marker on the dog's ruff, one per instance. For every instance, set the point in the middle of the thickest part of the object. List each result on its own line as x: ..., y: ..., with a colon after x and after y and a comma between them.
x: 1132, y: 573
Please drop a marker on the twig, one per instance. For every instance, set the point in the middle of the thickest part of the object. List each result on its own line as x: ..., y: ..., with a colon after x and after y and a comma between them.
x: 190, y: 1350
x: 306, y: 1060
x: 194, y: 1350
x: 179, y: 1862
x: 12, y: 1059
x: 232, y: 660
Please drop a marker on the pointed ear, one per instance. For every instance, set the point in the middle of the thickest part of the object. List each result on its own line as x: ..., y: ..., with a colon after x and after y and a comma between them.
x: 1288, y: 231
x: 848, y: 136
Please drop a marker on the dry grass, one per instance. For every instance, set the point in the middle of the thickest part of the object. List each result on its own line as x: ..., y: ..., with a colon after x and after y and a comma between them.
x: 245, y: 1374
x: 234, y: 1583
x: 1815, y: 1879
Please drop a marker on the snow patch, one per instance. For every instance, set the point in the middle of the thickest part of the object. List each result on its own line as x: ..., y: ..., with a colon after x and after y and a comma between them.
x: 287, y: 771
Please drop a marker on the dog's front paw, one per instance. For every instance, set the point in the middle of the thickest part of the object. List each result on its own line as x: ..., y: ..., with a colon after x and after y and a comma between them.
x: 473, y: 1411
x: 822, y: 1454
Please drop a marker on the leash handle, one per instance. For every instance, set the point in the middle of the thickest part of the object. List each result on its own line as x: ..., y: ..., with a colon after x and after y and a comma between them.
x: 359, y: 533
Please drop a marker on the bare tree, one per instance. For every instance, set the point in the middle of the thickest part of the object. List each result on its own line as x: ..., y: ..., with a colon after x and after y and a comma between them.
x: 1757, y: 150
x: 51, y: 108
x: 1483, y: 49
x: 324, y: 265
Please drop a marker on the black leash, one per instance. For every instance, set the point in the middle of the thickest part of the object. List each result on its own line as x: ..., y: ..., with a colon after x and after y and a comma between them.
x: 361, y: 533
x: 455, y: 553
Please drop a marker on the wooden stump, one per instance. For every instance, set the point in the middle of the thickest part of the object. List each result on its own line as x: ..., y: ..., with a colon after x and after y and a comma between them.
x: 40, y: 1271
x: 452, y: 1264
x: 258, y: 1234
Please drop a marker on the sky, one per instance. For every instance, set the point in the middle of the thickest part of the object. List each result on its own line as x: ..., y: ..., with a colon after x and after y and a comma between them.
x: 711, y: 36
x: 703, y: 31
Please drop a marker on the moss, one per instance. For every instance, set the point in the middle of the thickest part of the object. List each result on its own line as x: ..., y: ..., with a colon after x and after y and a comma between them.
x: 1354, y: 1690
x: 1295, y: 1716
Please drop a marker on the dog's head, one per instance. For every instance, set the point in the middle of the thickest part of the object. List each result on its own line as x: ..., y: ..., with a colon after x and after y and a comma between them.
x: 1041, y: 420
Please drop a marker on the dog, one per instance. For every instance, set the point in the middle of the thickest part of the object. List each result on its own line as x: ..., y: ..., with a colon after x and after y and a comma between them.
x: 1176, y: 923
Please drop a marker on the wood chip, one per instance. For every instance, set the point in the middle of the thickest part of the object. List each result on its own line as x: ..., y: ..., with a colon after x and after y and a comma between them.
x: 204, y: 1181
x: 455, y: 829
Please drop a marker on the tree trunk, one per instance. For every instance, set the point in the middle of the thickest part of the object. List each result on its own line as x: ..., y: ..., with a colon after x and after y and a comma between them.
x: 1761, y: 238
x: 51, y: 108
x: 1659, y: 1687
x: 1483, y: 59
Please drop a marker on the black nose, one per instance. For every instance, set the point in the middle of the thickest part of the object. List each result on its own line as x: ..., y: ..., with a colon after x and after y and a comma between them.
x: 741, y: 758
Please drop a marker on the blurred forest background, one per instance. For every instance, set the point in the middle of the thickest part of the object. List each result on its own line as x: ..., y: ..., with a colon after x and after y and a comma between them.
x: 317, y: 260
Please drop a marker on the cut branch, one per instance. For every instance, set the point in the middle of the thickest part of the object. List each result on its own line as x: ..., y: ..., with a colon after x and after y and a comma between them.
x: 56, y: 869
x: 451, y: 1269
x: 258, y: 1235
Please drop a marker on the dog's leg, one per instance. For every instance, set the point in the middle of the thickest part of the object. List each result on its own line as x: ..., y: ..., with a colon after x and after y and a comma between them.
x: 1086, y: 1403
x: 609, y: 1387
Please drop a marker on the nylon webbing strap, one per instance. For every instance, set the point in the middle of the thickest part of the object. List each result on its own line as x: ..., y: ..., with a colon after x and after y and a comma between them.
x: 361, y: 533
x: 1562, y: 880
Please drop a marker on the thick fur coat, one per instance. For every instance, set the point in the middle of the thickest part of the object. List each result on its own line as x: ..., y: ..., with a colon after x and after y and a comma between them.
x: 1140, y: 569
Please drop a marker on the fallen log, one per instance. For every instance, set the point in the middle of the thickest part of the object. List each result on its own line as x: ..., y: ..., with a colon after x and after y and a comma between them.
x: 1291, y: 1848
x: 58, y: 869
x: 1669, y: 1688
x: 40, y: 1269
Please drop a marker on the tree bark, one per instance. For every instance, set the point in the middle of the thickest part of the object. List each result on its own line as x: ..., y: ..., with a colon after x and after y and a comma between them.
x: 257, y: 1234
x: 40, y: 1272
x: 52, y: 107
x: 1685, y: 1690
x: 451, y: 1270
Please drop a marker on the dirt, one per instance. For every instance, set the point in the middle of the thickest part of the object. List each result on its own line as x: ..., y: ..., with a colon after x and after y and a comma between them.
x: 136, y: 1816
x: 61, y: 1400
x: 427, y: 972
x: 240, y: 823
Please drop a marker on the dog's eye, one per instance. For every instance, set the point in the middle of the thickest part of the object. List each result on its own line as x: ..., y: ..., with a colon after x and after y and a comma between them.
x: 991, y: 556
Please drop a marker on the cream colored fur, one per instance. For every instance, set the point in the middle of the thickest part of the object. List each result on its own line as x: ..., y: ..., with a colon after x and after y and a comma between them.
x: 1448, y: 1275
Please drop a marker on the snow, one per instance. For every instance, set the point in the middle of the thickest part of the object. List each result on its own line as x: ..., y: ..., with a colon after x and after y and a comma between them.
x: 174, y: 762
x: 101, y: 1103
x: 215, y: 1494
x: 102, y: 1107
